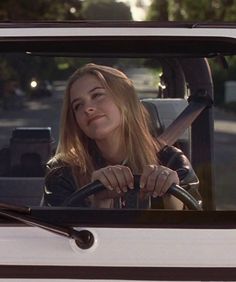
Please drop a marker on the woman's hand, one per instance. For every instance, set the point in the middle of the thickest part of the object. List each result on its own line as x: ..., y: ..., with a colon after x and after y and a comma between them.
x: 117, y: 179
x: 156, y: 180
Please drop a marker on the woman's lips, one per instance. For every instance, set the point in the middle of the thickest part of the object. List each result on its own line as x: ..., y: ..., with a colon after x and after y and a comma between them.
x: 94, y: 118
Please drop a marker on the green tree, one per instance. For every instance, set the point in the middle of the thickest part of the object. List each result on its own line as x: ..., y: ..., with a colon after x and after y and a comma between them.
x: 105, y: 10
x: 158, y: 10
x: 43, y: 10
x: 188, y: 10
x: 200, y: 11
x: 40, y: 10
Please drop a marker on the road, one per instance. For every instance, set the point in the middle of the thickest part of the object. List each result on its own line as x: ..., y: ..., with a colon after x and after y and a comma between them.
x: 225, y: 159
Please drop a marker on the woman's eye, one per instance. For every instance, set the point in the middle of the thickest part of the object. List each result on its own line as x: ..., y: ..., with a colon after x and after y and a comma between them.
x: 77, y: 106
x: 97, y: 95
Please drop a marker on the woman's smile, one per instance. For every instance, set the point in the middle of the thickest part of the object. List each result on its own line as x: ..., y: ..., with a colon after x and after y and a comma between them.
x: 95, y: 118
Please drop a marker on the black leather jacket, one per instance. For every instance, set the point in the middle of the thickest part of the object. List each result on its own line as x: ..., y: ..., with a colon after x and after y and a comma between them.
x: 60, y: 184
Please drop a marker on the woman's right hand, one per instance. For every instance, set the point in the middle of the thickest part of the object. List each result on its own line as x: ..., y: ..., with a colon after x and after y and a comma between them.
x: 117, y: 179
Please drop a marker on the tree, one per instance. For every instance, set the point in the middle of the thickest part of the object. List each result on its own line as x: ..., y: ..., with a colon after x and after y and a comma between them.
x: 200, y: 11
x: 105, y: 10
x: 188, y: 10
x: 39, y: 10
x: 158, y: 10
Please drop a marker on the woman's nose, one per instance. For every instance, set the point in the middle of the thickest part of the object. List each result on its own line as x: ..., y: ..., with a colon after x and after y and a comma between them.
x: 89, y: 109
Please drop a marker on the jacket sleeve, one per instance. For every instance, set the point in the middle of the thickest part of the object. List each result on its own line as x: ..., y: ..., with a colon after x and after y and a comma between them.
x: 59, y: 184
x: 175, y: 159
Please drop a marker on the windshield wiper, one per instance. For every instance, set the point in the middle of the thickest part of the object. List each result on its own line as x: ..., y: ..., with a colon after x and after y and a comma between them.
x: 84, y: 239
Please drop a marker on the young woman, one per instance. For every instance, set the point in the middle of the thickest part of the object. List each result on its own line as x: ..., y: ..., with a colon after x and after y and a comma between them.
x: 105, y: 136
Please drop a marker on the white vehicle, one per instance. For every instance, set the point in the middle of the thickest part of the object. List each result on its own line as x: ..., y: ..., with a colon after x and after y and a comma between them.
x: 65, y: 243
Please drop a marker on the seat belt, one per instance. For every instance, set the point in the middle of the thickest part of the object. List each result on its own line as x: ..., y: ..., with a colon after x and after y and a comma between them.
x: 171, y: 134
x: 195, y: 107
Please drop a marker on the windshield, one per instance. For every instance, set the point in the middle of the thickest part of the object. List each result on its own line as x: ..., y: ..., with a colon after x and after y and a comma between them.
x: 32, y: 88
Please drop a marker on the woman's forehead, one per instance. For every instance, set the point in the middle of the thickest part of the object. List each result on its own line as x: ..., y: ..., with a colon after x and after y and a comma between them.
x: 84, y: 85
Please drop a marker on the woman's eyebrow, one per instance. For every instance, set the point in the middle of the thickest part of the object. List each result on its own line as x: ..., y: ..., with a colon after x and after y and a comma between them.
x: 75, y: 100
x: 90, y: 91
x: 95, y: 88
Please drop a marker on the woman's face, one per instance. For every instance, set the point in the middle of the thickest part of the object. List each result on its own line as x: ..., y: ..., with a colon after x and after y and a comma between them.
x: 96, y: 113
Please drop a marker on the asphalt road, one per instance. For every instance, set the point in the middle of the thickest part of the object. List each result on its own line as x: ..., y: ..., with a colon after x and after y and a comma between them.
x: 225, y: 159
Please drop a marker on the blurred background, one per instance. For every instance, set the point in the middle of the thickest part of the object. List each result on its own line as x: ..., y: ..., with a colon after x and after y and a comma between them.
x: 38, y: 86
x: 131, y: 10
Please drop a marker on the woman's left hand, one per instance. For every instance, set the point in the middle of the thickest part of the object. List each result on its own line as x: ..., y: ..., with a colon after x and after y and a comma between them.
x: 156, y: 180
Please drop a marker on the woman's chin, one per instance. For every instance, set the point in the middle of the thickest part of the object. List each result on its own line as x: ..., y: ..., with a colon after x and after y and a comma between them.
x: 104, y: 136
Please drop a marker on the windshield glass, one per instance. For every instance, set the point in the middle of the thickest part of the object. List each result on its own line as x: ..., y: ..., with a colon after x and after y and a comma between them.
x: 32, y: 88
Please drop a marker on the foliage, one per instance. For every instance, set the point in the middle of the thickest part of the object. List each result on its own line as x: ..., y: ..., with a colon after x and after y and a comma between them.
x: 200, y: 11
x: 63, y: 10
x: 188, y: 10
x: 48, y: 10
x: 158, y: 10
x: 39, y: 10
x: 105, y: 10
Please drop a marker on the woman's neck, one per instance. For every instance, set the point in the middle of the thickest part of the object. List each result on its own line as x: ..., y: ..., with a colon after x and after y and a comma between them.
x: 112, y: 152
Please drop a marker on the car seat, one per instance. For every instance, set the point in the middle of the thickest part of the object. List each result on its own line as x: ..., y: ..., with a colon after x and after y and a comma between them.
x: 162, y: 113
x: 30, y: 149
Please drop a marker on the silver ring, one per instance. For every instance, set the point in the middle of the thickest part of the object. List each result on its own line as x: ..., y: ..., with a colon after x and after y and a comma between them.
x: 165, y: 172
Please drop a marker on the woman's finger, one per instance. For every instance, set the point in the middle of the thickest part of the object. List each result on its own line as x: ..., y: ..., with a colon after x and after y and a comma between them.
x: 151, y: 180
x: 147, y: 171
x: 120, y: 178
x: 128, y: 176
x: 106, y: 176
x: 165, y: 179
x: 99, y: 175
x: 111, y: 177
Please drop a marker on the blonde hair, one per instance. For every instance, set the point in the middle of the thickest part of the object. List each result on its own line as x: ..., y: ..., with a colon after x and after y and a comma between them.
x: 78, y: 150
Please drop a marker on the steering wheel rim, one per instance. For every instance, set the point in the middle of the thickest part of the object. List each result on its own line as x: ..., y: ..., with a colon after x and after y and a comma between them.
x: 96, y: 186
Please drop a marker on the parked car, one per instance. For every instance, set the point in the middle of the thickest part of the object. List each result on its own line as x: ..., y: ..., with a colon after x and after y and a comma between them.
x: 81, y: 244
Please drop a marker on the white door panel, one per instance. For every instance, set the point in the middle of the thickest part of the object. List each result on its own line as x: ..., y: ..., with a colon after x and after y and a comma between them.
x: 121, y: 247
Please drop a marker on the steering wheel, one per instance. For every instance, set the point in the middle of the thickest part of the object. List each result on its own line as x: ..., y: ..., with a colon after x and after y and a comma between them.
x: 96, y: 186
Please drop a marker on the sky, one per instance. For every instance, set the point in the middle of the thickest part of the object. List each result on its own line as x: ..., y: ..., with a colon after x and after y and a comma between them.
x: 138, y: 8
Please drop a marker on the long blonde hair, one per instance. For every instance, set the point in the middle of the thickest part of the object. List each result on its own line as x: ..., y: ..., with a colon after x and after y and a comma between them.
x: 77, y: 150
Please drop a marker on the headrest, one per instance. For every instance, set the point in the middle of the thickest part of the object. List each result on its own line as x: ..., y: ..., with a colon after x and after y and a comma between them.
x: 156, y: 126
x: 30, y: 140
x: 30, y: 149
x: 163, y: 111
